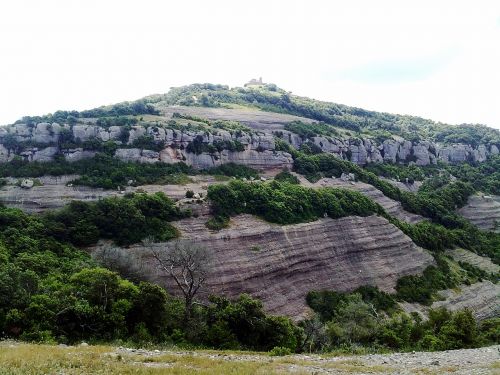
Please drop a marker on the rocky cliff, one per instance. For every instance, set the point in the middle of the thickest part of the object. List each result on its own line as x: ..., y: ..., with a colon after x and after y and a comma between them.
x: 281, y: 264
x: 42, y: 142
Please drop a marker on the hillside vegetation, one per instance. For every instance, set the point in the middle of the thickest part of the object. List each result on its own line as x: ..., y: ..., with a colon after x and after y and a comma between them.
x: 52, y: 291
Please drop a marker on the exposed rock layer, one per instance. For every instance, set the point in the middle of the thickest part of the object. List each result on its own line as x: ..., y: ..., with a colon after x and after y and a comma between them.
x: 483, y: 211
x: 259, y: 147
x: 54, y: 193
x: 483, y: 299
x: 484, y: 263
x: 281, y: 264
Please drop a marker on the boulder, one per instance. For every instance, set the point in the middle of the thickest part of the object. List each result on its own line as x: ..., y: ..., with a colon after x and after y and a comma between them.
x: 45, y: 154
x: 27, y: 183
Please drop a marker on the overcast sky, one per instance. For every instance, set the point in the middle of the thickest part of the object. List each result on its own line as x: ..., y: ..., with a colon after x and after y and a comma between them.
x: 435, y: 59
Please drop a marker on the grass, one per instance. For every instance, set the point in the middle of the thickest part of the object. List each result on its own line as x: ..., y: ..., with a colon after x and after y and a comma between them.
x: 19, y: 358
x: 47, y: 359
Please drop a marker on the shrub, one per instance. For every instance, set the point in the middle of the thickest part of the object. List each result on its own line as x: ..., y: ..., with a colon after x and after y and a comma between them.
x: 217, y: 222
x: 279, y: 351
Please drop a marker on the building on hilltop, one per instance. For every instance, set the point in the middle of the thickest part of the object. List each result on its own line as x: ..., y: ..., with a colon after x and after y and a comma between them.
x: 255, y: 83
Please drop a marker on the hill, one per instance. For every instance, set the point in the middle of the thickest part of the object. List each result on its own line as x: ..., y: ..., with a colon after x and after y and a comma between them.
x: 249, y: 218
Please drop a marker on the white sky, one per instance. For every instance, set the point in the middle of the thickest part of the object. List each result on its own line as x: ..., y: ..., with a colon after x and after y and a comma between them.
x: 435, y: 59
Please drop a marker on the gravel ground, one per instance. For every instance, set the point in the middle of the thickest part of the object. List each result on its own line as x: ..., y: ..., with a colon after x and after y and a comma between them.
x: 464, y: 362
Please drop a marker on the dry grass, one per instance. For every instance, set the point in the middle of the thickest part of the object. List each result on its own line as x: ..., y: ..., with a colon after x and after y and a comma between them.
x: 46, y: 359
x: 19, y: 358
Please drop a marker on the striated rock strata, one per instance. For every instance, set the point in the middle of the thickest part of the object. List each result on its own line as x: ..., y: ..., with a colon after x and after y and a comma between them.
x: 259, y: 149
x: 483, y: 211
x: 281, y: 264
x: 483, y: 299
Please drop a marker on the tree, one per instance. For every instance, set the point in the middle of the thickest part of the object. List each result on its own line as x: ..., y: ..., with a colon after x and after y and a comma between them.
x: 189, y: 265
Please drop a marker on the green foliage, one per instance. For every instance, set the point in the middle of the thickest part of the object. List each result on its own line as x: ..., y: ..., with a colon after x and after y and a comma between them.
x: 410, y: 173
x: 231, y: 126
x: 349, y: 319
x: 287, y: 177
x: 279, y: 351
x: 285, y: 203
x: 484, y: 177
x: 117, y: 111
x: 217, y: 222
x: 52, y: 292
x: 311, y: 130
x: 101, y: 171
x: 148, y: 142
x: 477, y: 274
x: 125, y: 220
x: 326, y: 303
x: 233, y: 170
x: 244, y: 321
x: 198, y: 146
x: 437, y: 204
x: 377, y: 124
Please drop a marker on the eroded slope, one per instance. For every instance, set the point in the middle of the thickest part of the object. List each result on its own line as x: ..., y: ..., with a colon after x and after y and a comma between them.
x: 483, y: 211
x: 281, y: 264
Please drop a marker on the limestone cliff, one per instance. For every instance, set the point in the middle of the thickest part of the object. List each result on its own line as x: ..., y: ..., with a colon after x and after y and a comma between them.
x: 42, y: 142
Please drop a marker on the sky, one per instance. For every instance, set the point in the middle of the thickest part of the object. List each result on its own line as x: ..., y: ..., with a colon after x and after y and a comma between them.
x: 434, y: 59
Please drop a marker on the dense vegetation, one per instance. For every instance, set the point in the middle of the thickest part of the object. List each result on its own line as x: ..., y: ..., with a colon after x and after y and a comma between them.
x: 102, y: 171
x: 358, y: 318
x: 51, y: 291
x: 233, y: 170
x: 378, y: 124
x: 138, y: 107
x: 438, y: 205
x: 125, y: 220
x: 286, y: 203
x: 307, y: 131
x: 484, y: 176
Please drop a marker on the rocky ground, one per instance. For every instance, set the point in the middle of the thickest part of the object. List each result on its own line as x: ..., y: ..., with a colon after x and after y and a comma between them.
x: 18, y: 358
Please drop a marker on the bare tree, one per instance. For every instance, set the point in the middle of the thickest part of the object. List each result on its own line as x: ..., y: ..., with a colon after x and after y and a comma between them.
x: 188, y: 264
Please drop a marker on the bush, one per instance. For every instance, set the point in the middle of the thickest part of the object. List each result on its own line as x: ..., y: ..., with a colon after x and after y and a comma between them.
x: 287, y: 177
x: 189, y: 194
x: 284, y: 203
x: 217, y: 222
x: 279, y: 351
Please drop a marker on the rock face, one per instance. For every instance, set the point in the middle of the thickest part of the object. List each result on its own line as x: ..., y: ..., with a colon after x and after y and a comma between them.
x: 484, y: 263
x: 483, y: 211
x: 259, y: 147
x: 54, y: 192
x: 281, y: 264
x: 481, y: 298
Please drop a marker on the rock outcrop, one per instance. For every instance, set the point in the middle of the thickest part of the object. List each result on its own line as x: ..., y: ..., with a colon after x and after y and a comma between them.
x: 259, y: 147
x: 484, y: 263
x: 55, y: 192
x: 481, y: 298
x: 281, y: 264
x: 483, y: 211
